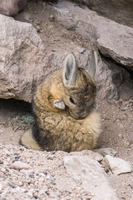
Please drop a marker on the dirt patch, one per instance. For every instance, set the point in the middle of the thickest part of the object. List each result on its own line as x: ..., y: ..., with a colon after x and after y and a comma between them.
x: 117, y: 116
x: 15, y: 118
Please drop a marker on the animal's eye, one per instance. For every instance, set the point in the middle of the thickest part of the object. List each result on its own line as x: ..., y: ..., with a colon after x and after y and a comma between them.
x: 71, y: 100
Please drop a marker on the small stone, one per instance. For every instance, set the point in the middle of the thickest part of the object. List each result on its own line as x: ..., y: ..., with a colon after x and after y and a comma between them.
x: 50, y: 26
x: 3, y: 169
x: 80, y: 49
x: 27, y: 16
x: 38, y: 28
x: 20, y: 165
x: 26, y: 154
x: 44, y: 4
x: 1, y: 131
x: 20, y: 184
x: 51, y: 18
x: 38, y: 23
x: 18, y: 188
x: 0, y: 188
x: 96, y: 156
x: 116, y: 165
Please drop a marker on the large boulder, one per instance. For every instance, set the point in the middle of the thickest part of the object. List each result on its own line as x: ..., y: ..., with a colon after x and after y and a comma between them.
x: 113, y: 40
x: 12, y: 7
x: 120, y: 11
x: 91, y: 177
x: 25, y: 62
x: 21, y: 53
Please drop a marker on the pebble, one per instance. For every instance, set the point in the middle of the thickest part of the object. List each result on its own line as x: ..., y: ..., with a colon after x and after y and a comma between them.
x: 3, y: 169
x: 80, y: 49
x: 51, y: 18
x: 1, y: 131
x: 27, y: 16
x: 44, y: 4
x: 38, y: 28
x: 1, y: 187
x: 20, y: 165
x: 116, y: 165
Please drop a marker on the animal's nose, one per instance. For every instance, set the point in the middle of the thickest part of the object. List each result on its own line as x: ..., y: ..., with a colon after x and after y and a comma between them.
x: 82, y: 114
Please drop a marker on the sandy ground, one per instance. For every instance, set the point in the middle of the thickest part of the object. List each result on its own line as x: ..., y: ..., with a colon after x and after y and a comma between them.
x: 117, y: 115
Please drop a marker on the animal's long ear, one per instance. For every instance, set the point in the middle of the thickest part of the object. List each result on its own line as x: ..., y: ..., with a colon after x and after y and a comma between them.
x: 70, y: 70
x: 93, y: 64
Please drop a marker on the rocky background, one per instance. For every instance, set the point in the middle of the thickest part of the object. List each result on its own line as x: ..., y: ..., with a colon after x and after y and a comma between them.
x: 35, y: 37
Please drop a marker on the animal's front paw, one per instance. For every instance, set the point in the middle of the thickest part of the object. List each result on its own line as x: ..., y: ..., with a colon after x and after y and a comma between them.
x: 106, y: 151
x: 58, y: 103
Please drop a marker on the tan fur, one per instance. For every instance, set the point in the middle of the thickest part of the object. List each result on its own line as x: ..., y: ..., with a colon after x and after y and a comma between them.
x: 29, y: 142
x: 74, y: 128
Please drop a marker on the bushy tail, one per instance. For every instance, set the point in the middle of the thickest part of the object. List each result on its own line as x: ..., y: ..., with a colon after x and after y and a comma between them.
x: 28, y: 141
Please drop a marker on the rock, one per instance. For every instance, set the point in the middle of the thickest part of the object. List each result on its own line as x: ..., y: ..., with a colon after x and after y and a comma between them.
x: 117, y: 165
x: 109, y: 36
x: 131, y: 134
x: 96, y: 156
x: 91, y: 176
x: 51, y: 18
x: 104, y: 79
x: 12, y: 7
x: 1, y: 187
x: 25, y: 62
x: 119, y: 11
x: 20, y: 165
x: 20, y: 59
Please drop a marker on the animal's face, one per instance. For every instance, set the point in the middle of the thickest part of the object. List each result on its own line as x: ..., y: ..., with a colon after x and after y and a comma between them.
x: 80, y: 96
x: 79, y: 89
